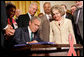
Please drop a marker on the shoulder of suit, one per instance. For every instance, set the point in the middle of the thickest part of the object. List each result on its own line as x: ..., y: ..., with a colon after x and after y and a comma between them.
x: 24, y: 29
x: 44, y: 16
x: 67, y: 20
x: 52, y: 22
x: 23, y: 15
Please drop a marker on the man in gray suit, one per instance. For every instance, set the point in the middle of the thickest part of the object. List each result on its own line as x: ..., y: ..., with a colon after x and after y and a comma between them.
x: 78, y: 16
x: 45, y: 22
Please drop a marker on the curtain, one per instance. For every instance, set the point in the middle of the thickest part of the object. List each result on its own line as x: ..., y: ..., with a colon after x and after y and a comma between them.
x: 24, y: 6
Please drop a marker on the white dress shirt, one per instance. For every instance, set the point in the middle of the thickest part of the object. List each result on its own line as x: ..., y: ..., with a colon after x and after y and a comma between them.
x: 48, y: 16
x: 30, y: 32
x: 6, y: 27
x: 29, y: 15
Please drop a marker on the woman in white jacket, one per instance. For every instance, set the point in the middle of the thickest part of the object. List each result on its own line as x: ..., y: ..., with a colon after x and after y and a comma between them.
x: 61, y: 27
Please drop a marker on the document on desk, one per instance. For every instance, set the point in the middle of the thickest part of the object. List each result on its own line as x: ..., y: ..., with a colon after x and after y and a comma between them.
x: 42, y: 43
x: 45, y: 43
x: 17, y: 45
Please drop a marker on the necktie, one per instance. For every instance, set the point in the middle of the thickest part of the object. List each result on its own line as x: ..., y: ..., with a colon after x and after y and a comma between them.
x: 50, y: 18
x: 31, y: 36
x: 77, y: 16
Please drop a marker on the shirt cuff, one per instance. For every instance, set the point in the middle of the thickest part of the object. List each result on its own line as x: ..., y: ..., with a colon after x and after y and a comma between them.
x: 27, y: 42
x: 6, y: 27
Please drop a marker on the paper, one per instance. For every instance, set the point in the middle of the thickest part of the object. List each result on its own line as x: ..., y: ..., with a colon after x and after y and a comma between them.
x: 42, y: 43
x: 19, y: 45
x: 33, y: 44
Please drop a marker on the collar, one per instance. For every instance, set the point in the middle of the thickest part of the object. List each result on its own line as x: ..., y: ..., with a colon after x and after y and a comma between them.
x: 79, y: 8
x: 64, y: 15
x: 29, y: 30
x: 61, y: 21
x: 47, y: 15
x: 29, y: 15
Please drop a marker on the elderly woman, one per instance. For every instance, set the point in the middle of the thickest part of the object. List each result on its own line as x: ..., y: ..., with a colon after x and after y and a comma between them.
x: 61, y: 27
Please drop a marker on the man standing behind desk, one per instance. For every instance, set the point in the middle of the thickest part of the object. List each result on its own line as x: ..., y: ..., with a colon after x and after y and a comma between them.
x: 44, y: 29
x: 78, y: 16
x: 23, y: 20
x: 28, y: 34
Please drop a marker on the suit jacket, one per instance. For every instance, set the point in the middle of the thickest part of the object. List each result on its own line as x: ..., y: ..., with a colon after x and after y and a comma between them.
x: 59, y: 34
x: 80, y: 20
x: 79, y: 26
x: 44, y: 29
x: 22, y: 36
x: 3, y: 21
x: 23, y: 20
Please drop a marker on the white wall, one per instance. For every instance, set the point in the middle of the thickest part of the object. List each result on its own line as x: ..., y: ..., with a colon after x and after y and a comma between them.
x: 68, y: 4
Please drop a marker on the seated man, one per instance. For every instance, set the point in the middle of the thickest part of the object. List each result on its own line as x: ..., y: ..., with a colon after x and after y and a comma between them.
x: 28, y: 34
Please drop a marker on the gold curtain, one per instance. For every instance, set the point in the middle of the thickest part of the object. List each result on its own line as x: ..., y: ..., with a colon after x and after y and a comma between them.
x: 24, y: 5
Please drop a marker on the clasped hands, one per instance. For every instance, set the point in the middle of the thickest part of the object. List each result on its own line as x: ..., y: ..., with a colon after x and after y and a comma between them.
x: 9, y: 31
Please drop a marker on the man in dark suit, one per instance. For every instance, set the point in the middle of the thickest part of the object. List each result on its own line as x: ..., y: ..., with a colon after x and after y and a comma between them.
x: 23, y: 35
x: 23, y: 20
x: 78, y: 18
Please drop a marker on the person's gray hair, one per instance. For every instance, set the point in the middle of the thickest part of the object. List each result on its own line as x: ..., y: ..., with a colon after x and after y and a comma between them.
x: 33, y: 3
x: 35, y: 17
x: 59, y: 8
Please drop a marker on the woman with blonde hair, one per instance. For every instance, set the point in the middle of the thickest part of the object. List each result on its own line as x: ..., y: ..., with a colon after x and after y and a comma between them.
x: 61, y: 27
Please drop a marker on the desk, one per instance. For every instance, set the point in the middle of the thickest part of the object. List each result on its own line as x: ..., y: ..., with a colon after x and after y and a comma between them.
x: 44, y: 50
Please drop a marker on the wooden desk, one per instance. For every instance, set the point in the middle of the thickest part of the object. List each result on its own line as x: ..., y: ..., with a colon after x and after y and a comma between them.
x: 44, y: 50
